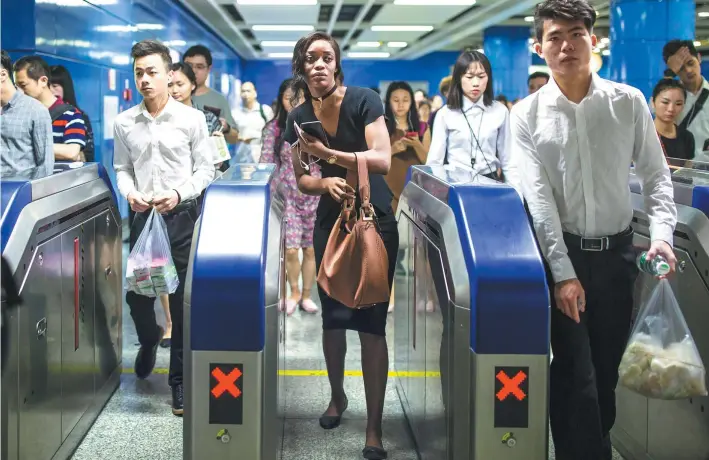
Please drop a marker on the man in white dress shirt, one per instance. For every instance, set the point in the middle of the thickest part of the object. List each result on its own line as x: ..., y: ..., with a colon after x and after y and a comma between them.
x: 162, y: 159
x: 574, y: 140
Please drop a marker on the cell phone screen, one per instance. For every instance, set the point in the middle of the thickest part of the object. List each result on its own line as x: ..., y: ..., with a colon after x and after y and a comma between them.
x: 315, y: 129
x: 215, y: 110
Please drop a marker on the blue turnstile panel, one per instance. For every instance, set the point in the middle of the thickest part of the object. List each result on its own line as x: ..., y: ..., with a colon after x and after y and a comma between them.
x: 509, y: 301
x: 228, y: 274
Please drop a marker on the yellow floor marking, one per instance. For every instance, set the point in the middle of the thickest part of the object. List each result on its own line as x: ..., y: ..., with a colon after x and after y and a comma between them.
x: 322, y: 373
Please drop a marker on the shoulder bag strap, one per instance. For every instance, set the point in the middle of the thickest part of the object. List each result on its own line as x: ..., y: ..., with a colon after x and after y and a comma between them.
x: 696, y: 108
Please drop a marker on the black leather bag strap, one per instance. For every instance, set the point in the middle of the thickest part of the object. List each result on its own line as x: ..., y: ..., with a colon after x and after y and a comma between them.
x: 696, y: 108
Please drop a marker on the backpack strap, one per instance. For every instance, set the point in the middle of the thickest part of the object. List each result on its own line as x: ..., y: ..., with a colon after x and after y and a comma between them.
x: 263, y: 114
x: 696, y: 108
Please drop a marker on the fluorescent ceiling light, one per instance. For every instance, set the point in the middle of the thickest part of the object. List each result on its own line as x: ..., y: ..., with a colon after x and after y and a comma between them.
x: 376, y: 54
x: 697, y: 43
x: 368, y: 44
x: 274, y: 43
x: 283, y: 28
x: 606, y: 52
x: 703, y: 14
x: 530, y: 41
x: 280, y: 55
x: 277, y: 2
x: 529, y: 18
x: 175, y: 43
x: 397, y: 44
x: 402, y: 28
x: 73, y: 3
x: 480, y: 50
x: 435, y: 2
x: 605, y: 40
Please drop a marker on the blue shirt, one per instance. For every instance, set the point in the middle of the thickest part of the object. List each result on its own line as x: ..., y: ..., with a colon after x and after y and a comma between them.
x: 26, y: 133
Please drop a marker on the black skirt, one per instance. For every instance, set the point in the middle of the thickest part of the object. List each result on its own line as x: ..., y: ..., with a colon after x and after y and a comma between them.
x: 338, y: 316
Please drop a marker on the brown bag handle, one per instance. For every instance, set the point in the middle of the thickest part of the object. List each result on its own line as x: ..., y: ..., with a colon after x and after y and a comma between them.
x: 358, y: 180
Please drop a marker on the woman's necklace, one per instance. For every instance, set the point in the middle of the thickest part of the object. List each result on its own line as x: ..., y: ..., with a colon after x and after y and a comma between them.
x: 326, y: 95
x: 669, y: 132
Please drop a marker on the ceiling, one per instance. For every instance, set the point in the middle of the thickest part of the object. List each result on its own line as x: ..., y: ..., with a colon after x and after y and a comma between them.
x: 394, y: 29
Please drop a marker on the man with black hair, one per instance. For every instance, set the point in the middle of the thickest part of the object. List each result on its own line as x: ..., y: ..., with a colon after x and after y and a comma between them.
x: 536, y: 80
x: 32, y: 75
x: 683, y: 59
x: 163, y: 160
x: 575, y: 139
x: 199, y: 58
x: 25, y: 128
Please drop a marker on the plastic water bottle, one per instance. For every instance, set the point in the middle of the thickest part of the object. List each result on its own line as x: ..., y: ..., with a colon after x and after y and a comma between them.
x: 655, y: 267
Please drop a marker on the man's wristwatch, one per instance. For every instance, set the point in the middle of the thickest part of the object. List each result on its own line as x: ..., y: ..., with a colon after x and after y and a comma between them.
x: 332, y: 160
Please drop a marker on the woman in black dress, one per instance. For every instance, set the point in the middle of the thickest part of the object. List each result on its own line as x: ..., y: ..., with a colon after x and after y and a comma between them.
x: 353, y: 121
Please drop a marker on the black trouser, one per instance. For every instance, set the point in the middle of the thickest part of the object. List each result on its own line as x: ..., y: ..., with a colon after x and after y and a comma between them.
x: 584, y: 371
x: 180, y: 225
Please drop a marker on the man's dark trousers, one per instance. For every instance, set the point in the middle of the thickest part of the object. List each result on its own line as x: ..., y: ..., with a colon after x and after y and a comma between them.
x: 180, y: 226
x: 584, y: 369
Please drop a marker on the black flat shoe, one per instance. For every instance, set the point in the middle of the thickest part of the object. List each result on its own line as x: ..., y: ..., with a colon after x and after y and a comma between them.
x: 374, y: 453
x: 165, y: 343
x: 329, y: 422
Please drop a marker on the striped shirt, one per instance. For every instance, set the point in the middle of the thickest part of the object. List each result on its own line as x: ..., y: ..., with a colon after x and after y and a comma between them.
x: 69, y: 126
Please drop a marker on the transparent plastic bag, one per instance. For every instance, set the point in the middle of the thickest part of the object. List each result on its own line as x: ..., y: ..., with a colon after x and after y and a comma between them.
x: 661, y: 360
x: 150, y: 270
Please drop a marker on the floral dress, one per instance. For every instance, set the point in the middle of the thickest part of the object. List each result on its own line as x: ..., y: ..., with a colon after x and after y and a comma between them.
x: 300, y: 208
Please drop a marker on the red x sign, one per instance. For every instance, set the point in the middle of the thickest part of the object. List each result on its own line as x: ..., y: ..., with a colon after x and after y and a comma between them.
x: 226, y: 382
x: 510, y: 386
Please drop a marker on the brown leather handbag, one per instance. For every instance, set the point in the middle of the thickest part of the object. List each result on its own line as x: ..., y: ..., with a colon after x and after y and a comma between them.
x: 355, y: 266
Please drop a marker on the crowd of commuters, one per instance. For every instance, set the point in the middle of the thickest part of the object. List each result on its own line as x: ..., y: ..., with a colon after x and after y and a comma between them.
x: 572, y: 175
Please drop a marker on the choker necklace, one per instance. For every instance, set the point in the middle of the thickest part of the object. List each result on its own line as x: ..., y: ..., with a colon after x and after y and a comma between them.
x: 326, y: 95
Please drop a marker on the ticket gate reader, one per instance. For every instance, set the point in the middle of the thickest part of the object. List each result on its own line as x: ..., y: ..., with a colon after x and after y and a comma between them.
x: 61, y: 236
x: 471, y: 340
x: 234, y: 333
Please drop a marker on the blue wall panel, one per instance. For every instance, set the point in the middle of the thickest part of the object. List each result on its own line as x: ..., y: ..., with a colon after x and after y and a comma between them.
x: 94, y: 43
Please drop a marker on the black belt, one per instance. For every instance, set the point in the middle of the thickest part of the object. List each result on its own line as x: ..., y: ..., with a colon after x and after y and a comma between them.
x: 604, y: 243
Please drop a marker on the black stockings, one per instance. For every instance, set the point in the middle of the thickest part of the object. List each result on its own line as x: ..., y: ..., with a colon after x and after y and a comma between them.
x: 375, y: 368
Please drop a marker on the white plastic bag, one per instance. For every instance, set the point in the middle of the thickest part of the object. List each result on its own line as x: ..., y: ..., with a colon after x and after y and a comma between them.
x: 661, y: 360
x: 150, y: 270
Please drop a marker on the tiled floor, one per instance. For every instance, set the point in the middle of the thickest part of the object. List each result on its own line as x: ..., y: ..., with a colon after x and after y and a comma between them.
x: 137, y: 422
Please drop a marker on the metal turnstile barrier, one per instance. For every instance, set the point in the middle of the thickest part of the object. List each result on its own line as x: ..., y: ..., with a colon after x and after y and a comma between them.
x: 471, y: 320
x: 649, y: 429
x: 234, y: 326
x: 61, y: 236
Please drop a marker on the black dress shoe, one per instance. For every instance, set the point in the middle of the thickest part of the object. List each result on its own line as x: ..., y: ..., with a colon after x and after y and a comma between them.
x: 145, y: 359
x: 374, y: 453
x: 178, y: 399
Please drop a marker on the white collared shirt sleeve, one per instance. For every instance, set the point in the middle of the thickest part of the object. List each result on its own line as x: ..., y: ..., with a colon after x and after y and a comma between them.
x: 122, y: 163
x: 654, y: 173
x: 439, y: 139
x: 537, y: 190
x: 202, y: 160
x: 504, y: 153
